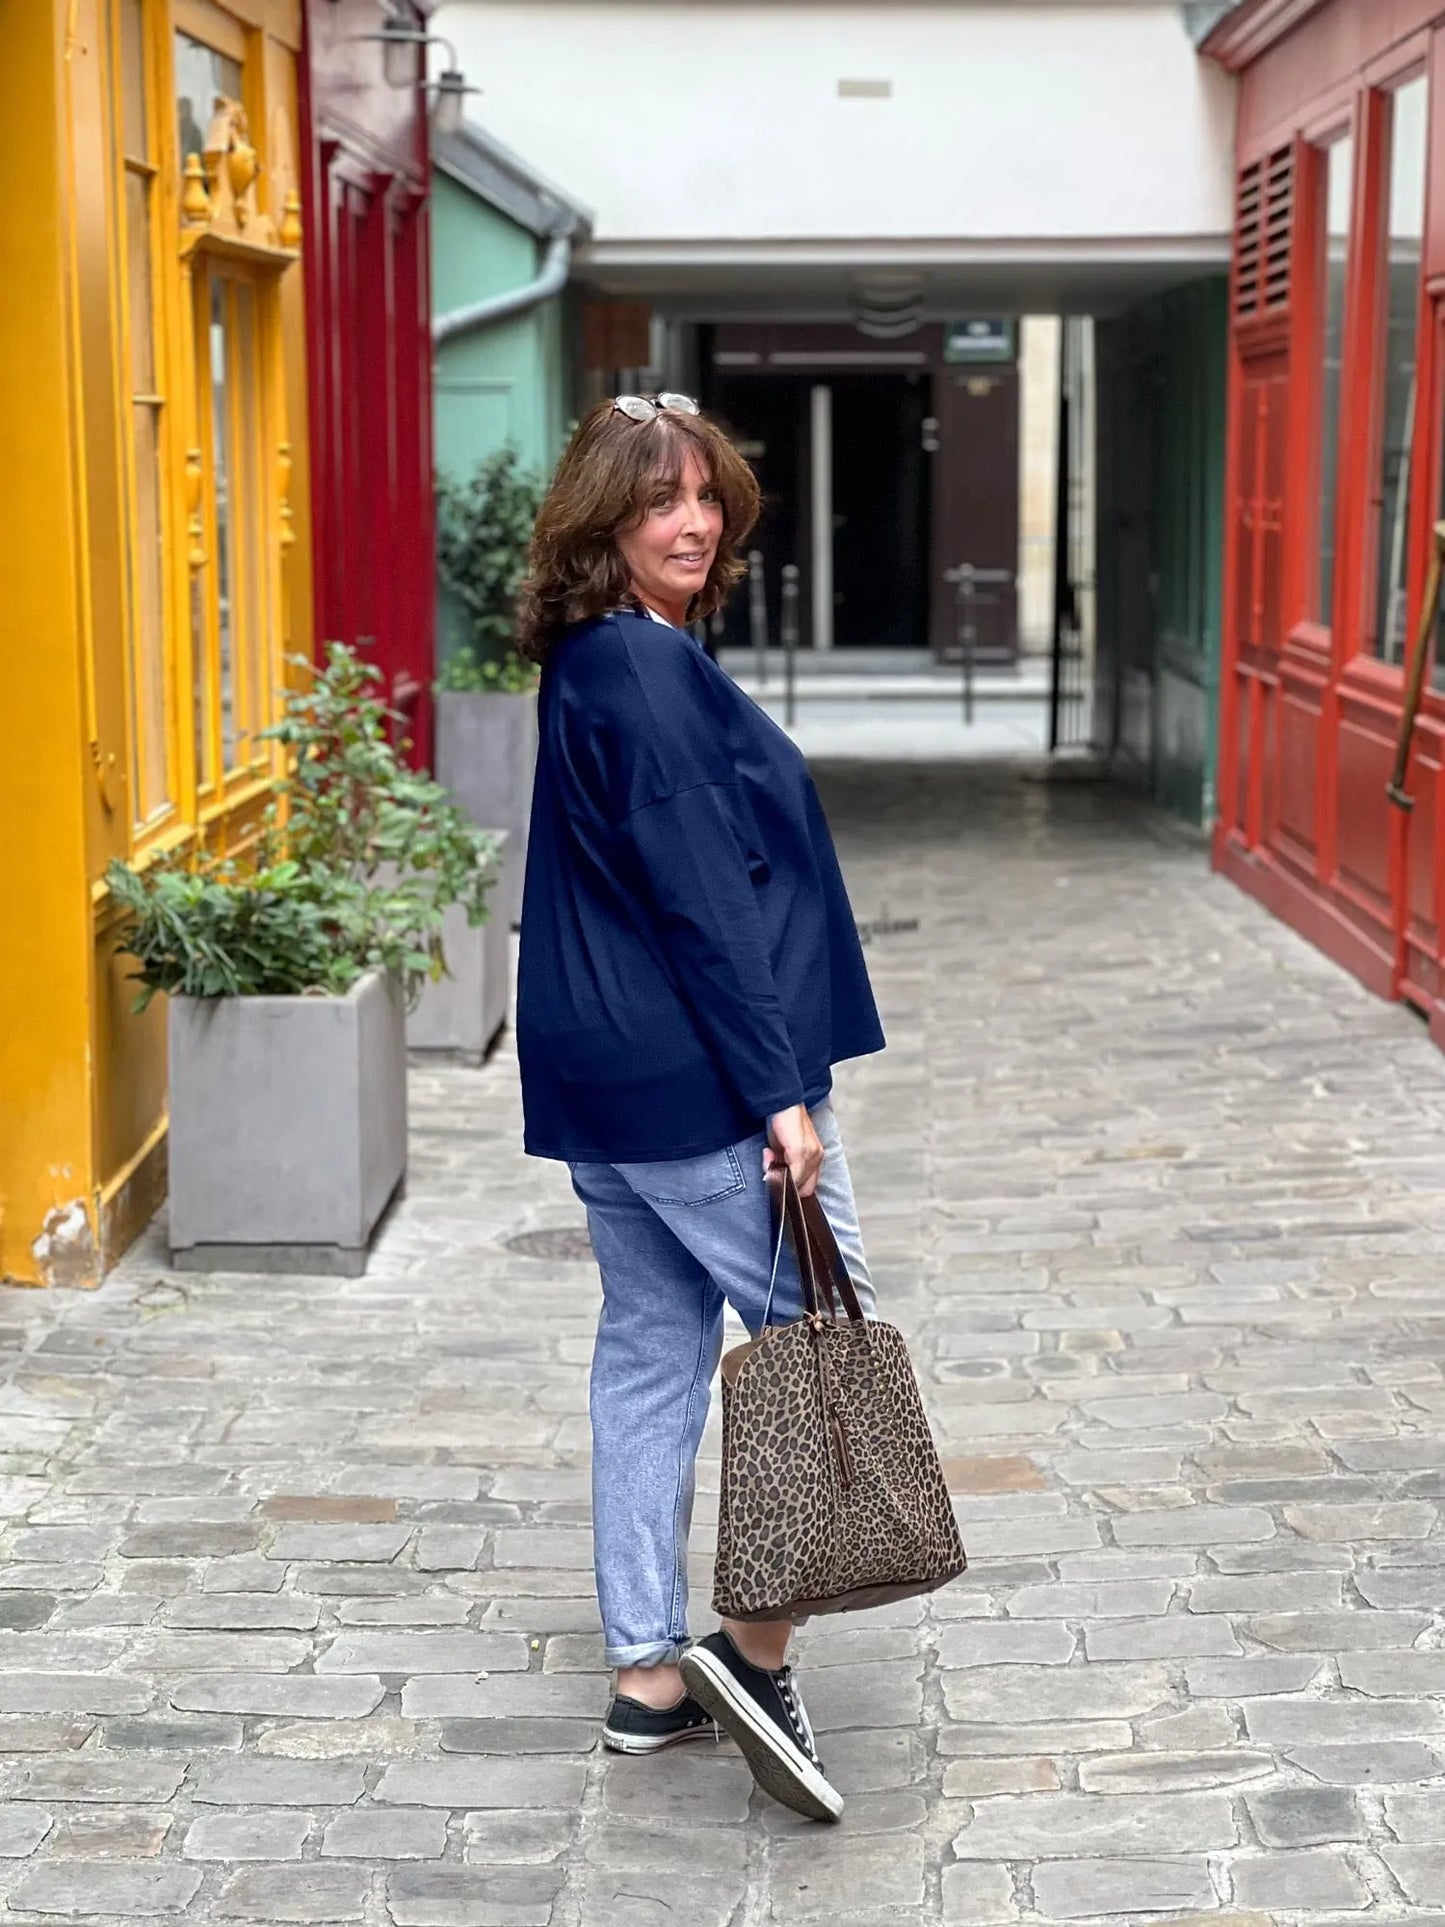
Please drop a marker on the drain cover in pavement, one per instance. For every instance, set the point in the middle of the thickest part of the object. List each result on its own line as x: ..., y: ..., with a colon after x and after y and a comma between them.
x: 554, y: 1241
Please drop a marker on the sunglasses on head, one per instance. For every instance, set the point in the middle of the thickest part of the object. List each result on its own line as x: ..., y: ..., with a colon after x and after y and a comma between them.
x: 640, y: 408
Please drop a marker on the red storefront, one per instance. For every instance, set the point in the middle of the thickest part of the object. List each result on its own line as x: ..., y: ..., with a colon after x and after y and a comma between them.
x: 1335, y: 479
x: 368, y: 297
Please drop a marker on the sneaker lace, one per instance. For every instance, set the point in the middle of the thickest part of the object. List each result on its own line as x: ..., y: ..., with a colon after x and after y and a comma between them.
x: 798, y: 1714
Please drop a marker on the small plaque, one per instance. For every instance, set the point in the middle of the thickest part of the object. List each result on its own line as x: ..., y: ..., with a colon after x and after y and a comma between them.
x: 981, y: 338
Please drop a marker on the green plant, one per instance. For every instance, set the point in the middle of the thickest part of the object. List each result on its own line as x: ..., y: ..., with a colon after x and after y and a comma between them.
x: 483, y: 527
x: 219, y: 932
x: 513, y: 675
x: 357, y: 861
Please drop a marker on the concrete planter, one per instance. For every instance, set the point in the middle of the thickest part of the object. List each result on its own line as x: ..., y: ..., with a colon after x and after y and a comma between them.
x: 486, y: 754
x: 462, y: 1014
x: 287, y: 1127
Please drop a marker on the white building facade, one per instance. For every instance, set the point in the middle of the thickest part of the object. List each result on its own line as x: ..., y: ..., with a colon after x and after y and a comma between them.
x: 842, y: 220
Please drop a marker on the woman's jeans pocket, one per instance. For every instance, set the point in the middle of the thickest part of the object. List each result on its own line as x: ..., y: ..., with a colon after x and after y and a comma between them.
x: 687, y: 1181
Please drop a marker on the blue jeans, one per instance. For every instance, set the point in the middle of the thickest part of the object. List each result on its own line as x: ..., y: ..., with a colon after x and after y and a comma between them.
x: 675, y: 1241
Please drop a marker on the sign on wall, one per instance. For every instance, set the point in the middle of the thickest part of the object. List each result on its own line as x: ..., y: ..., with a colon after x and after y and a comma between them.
x: 980, y: 338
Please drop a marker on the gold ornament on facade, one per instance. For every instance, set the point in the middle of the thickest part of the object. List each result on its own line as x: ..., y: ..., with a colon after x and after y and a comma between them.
x: 283, y: 490
x: 242, y: 168
x: 223, y: 212
x: 103, y: 762
x: 196, y: 195
x: 195, y: 531
x: 232, y: 164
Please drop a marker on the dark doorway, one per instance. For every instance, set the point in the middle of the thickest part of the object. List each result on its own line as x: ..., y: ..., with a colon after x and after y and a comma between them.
x: 768, y: 418
x: 880, y: 512
x: 881, y: 504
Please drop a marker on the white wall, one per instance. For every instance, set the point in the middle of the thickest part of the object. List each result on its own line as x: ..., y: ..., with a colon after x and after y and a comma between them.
x: 690, y: 119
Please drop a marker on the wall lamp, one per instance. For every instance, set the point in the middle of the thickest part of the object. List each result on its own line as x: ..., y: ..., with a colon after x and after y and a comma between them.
x: 398, y: 37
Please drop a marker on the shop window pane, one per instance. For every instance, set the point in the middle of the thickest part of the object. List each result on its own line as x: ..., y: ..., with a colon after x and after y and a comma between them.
x: 138, y: 283
x: 1339, y: 178
x: 150, y: 749
x: 148, y: 671
x: 201, y: 703
x: 201, y: 75
x: 1405, y: 230
x: 223, y: 470
x: 251, y: 501
x: 134, y: 136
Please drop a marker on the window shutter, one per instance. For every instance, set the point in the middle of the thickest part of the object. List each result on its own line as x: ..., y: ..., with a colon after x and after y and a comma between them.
x: 1264, y: 226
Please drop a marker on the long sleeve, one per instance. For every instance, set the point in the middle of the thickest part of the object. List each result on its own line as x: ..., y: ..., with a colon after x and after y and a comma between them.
x: 695, y: 875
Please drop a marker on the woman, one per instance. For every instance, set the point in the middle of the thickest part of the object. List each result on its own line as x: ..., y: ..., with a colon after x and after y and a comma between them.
x: 690, y: 970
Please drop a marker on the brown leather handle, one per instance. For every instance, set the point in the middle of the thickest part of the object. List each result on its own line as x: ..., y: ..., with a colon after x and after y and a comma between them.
x: 819, y: 1290
x: 820, y: 1263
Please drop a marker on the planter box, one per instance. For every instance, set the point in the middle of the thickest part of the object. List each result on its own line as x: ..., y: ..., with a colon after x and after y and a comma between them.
x: 287, y: 1127
x: 486, y: 755
x: 464, y: 1012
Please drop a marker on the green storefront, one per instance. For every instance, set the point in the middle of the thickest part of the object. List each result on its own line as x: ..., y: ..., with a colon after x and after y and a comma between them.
x: 1161, y: 414
x: 504, y: 315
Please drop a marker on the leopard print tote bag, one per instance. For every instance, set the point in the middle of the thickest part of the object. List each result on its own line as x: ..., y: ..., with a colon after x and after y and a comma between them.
x: 832, y: 1497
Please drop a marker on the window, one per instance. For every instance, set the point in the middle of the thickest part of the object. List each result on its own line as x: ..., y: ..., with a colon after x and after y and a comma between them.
x: 1339, y: 169
x: 235, y: 592
x: 200, y: 375
x: 203, y: 76
x: 151, y: 767
x: 238, y: 616
x: 1402, y: 242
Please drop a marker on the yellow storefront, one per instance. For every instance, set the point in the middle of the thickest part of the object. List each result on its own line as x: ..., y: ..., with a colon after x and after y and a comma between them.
x: 154, y: 545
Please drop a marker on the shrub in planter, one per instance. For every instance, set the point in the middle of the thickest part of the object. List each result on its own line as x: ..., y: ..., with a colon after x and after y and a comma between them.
x: 288, y: 973
x: 462, y: 1015
x: 483, y: 528
x: 486, y: 691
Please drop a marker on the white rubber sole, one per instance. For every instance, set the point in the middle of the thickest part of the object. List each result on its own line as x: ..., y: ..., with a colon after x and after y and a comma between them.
x: 780, y: 1767
x: 653, y: 1743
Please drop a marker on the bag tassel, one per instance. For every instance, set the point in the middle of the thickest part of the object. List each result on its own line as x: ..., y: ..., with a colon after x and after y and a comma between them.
x: 845, y: 1455
x: 838, y: 1431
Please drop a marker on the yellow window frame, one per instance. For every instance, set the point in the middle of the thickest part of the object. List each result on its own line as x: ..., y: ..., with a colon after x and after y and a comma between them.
x: 243, y: 565
x: 160, y: 826
x: 219, y: 806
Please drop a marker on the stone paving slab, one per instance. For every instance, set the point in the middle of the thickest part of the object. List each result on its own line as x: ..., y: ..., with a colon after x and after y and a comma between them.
x: 296, y: 1614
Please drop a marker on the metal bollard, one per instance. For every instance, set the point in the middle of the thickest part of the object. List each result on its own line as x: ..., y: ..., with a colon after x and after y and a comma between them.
x: 790, y: 637
x: 966, y: 599
x: 971, y: 586
x: 758, y: 615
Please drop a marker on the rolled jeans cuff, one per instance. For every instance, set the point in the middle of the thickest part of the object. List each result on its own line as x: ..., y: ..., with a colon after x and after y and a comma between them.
x: 664, y: 1652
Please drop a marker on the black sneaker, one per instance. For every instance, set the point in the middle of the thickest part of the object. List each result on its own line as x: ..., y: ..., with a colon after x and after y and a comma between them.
x: 765, y: 1714
x: 631, y: 1727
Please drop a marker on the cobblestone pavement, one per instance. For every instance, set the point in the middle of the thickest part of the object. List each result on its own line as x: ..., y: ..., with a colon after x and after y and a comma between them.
x: 297, y: 1596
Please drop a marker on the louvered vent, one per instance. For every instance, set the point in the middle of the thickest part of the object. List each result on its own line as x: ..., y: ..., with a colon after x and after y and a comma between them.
x: 1263, y: 228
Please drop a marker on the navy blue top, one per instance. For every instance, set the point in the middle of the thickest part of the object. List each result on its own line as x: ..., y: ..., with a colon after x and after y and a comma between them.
x: 689, y: 963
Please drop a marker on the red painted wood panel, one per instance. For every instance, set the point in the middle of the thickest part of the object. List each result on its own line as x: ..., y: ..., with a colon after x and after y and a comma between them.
x: 1320, y: 61
x: 1422, y: 898
x: 1297, y: 830
x: 1309, y: 716
x: 1361, y: 850
x: 369, y: 328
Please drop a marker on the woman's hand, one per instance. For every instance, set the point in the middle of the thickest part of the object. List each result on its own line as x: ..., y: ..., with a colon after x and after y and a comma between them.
x: 793, y: 1141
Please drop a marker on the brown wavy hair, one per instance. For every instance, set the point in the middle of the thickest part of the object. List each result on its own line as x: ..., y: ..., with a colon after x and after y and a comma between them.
x: 603, y: 486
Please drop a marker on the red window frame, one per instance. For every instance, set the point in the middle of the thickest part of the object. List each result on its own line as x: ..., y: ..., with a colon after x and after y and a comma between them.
x: 1376, y: 321
x: 1305, y: 625
x: 1362, y: 418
